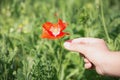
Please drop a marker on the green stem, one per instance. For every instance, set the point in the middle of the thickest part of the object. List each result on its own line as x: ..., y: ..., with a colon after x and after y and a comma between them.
x: 103, y: 22
x: 60, y: 72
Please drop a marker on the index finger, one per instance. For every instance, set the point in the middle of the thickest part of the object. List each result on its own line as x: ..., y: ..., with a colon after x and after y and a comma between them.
x: 86, y: 40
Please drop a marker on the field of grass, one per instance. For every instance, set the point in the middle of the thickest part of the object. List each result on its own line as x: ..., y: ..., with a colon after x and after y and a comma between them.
x: 25, y: 56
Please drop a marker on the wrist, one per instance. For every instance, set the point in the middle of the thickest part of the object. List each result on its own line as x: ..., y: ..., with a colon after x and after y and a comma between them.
x: 111, y: 64
x: 103, y: 65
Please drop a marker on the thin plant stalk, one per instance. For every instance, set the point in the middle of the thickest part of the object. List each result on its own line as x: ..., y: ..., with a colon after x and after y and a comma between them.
x: 60, y: 72
x: 103, y: 22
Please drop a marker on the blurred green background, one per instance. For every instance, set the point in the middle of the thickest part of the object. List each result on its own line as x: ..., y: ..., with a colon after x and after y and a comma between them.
x: 25, y: 56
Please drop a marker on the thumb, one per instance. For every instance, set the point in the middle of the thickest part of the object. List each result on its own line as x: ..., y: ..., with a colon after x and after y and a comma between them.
x: 77, y: 47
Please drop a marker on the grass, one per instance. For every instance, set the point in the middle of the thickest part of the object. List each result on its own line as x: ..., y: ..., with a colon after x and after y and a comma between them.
x: 25, y: 56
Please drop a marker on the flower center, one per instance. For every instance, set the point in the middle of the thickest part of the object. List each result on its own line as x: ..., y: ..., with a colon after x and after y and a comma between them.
x: 55, y: 31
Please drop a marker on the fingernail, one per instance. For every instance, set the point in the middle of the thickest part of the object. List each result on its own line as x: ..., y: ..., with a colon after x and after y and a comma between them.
x: 67, y: 45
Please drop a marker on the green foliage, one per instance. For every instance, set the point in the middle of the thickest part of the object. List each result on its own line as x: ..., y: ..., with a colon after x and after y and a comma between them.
x: 44, y: 71
x: 25, y: 56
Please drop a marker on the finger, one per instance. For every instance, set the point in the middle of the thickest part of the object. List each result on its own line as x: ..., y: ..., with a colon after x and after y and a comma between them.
x: 88, y: 65
x: 86, y: 40
x: 86, y: 60
x: 75, y: 47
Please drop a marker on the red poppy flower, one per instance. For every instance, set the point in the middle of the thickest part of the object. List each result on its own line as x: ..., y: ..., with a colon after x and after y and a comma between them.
x: 54, y: 31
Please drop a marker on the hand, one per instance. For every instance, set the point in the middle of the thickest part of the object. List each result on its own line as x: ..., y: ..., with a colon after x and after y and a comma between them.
x: 96, y: 54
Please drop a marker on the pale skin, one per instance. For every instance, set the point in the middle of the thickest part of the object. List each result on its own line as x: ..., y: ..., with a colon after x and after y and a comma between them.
x: 96, y: 55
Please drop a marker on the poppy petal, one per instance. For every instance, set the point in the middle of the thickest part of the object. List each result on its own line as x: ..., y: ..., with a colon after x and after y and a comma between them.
x: 45, y: 34
x: 47, y: 25
x: 62, y: 24
x: 62, y: 34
